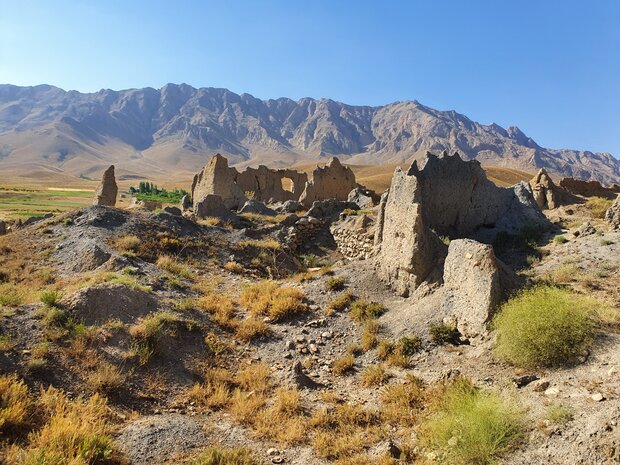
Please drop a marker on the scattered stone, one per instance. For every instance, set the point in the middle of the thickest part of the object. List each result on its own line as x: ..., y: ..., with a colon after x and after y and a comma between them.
x: 301, y: 379
x: 290, y: 206
x: 597, y: 397
x: 540, y: 385
x: 522, y: 381
x: 363, y: 198
x: 254, y: 206
x: 584, y: 230
x: 107, y: 191
x: 273, y: 451
x: 552, y: 392
x: 174, y: 211
x: 186, y: 203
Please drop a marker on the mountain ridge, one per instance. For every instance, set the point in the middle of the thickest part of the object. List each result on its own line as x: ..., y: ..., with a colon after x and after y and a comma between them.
x: 154, y: 132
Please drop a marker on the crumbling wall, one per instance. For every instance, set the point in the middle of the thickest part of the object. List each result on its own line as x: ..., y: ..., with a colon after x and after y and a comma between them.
x: 334, y: 181
x: 446, y: 197
x: 354, y: 236
x: 588, y: 188
x: 217, y: 178
x: 266, y: 184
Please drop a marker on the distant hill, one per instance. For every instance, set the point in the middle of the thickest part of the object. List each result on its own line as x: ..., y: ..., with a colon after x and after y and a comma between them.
x: 174, y: 130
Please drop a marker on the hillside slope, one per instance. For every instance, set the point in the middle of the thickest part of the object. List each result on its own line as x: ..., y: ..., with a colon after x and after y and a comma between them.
x: 174, y: 130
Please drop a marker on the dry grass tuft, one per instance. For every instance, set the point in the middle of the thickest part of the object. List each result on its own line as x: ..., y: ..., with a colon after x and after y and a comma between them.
x: 220, y: 306
x: 129, y: 243
x: 268, y: 298
x: 252, y: 328
x: 234, y: 267
x: 374, y: 375
x: 340, y: 303
x: 344, y: 365
x: 174, y: 267
x: 15, y: 404
x: 74, y: 432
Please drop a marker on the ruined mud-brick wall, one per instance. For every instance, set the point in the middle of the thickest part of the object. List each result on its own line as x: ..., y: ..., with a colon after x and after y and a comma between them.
x: 354, y: 237
x: 303, y: 231
x: 333, y: 181
x: 588, y: 188
x: 266, y: 184
x: 446, y: 197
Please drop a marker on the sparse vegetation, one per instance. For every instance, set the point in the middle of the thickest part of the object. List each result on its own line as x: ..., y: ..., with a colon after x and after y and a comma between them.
x: 224, y: 456
x: 470, y: 426
x: 598, y: 206
x: 340, y: 303
x: 15, y: 403
x: 11, y: 295
x: 173, y: 266
x: 72, y: 432
x: 344, y: 365
x: 374, y: 375
x: 363, y: 310
x: 149, y: 191
x: 444, y: 333
x: 560, y: 239
x: 270, y: 299
x: 128, y: 243
x: 233, y: 267
x: 544, y: 326
x: 559, y: 414
x: 51, y: 297
x: 335, y: 283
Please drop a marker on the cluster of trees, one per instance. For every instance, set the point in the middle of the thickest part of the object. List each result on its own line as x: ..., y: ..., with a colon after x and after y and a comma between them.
x: 149, y: 191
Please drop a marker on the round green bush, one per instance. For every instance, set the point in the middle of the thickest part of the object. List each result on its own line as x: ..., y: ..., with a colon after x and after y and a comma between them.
x: 545, y: 326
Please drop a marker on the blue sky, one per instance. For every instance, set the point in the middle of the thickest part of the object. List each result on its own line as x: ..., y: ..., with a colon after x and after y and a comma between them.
x: 551, y: 67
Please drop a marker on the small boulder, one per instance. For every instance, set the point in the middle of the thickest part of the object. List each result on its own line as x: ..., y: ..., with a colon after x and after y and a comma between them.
x: 211, y: 205
x: 329, y: 208
x: 107, y: 191
x: 174, y: 211
x: 290, y: 206
x: 186, y: 203
x: 584, y: 230
x: 475, y: 284
x: 254, y: 206
x: 149, y: 205
x: 363, y: 198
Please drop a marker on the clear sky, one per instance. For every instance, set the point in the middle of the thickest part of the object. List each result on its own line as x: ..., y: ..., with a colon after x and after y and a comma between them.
x: 551, y: 67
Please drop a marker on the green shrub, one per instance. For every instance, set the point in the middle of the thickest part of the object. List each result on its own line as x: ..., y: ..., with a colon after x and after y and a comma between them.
x: 363, y: 310
x: 559, y: 414
x: 560, y: 240
x: 335, y: 283
x: 471, y: 427
x: 443, y: 333
x: 51, y: 297
x: 598, y: 206
x: 10, y: 295
x: 544, y: 326
x: 409, y: 345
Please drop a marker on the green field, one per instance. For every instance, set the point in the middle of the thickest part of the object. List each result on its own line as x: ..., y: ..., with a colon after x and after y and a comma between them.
x: 27, y: 202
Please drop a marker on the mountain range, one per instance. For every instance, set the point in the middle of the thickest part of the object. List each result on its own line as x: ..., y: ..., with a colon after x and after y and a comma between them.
x: 173, y: 131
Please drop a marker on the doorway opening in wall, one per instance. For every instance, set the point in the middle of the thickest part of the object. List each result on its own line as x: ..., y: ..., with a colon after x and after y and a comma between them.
x: 287, y: 184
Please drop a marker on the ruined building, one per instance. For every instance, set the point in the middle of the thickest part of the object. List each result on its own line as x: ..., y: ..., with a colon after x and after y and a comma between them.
x: 267, y: 185
x: 447, y: 197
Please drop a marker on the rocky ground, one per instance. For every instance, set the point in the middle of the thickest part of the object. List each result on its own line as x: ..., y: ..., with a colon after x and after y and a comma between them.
x: 107, y: 268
